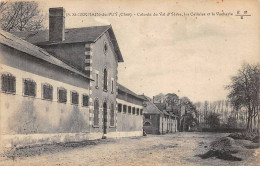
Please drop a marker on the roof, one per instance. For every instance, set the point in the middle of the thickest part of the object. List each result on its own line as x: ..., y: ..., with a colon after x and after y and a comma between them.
x: 14, y: 42
x: 157, y: 108
x: 126, y: 90
x: 160, y: 106
x: 144, y: 97
x: 72, y: 35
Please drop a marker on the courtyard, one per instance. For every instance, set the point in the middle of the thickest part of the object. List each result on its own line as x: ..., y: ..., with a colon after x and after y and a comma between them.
x: 163, y: 150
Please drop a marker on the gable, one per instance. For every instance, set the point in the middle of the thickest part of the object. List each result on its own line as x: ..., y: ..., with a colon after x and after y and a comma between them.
x: 73, y: 35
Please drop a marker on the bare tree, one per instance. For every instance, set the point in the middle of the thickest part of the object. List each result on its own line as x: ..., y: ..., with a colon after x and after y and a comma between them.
x: 20, y: 16
x: 244, y: 92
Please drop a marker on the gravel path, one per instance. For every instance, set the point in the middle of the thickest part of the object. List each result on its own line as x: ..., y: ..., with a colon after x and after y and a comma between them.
x: 170, y: 149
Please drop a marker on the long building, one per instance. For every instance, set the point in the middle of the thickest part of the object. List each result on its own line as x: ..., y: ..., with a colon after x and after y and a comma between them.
x: 61, y: 85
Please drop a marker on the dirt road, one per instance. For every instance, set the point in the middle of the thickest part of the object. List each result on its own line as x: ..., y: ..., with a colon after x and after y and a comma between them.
x: 170, y: 149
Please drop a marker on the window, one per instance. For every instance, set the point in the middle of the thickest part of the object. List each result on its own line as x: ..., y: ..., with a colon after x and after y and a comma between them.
x: 119, y: 108
x: 85, y: 100
x: 47, y: 91
x: 147, y: 124
x: 146, y: 116
x: 29, y: 87
x: 105, y: 80
x: 137, y: 111
x: 96, y: 80
x: 8, y: 83
x: 62, y: 95
x: 129, y: 109
x: 112, y: 86
x: 74, y: 98
x: 133, y: 110
x: 105, y: 48
x: 141, y: 111
x: 96, y: 111
x: 112, y: 115
x: 124, y: 108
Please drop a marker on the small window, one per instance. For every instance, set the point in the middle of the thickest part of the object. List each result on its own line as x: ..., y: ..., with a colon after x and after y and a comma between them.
x: 124, y: 108
x: 105, y: 48
x: 129, y: 109
x: 29, y: 88
x: 74, y: 98
x: 85, y: 100
x: 96, y: 80
x: 105, y: 80
x: 141, y: 111
x: 146, y: 116
x: 47, y: 91
x: 8, y: 83
x: 133, y: 110
x: 62, y: 95
x: 137, y: 111
x: 112, y: 86
x: 119, y: 108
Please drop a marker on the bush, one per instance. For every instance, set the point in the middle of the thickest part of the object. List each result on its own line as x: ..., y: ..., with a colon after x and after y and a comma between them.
x: 213, y: 121
x: 245, y: 136
x: 232, y: 122
x: 223, y: 130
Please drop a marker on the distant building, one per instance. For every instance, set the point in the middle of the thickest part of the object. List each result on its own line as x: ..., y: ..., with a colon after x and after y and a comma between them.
x: 156, y: 119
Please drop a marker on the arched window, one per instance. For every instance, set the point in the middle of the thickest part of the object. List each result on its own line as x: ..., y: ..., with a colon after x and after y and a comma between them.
x: 112, y: 115
x: 96, y: 112
x: 8, y: 83
x: 147, y: 124
x: 105, y: 80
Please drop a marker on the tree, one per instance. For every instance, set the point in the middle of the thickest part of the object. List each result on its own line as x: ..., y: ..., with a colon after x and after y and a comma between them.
x: 20, y: 16
x: 232, y: 122
x: 213, y: 120
x: 244, y: 92
x: 190, y: 118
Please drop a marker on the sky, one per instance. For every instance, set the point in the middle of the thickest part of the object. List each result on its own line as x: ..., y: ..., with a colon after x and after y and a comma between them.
x: 192, y: 56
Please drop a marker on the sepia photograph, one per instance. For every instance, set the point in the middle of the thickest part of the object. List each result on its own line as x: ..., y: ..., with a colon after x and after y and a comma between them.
x: 129, y: 83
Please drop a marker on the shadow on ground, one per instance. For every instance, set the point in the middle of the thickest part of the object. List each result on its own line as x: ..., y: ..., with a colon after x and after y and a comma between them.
x: 34, y: 150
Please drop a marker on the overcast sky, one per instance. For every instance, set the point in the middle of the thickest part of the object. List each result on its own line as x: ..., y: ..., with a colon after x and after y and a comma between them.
x: 189, y: 56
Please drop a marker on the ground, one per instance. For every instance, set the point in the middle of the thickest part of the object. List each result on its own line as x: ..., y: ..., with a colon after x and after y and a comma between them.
x: 169, y: 149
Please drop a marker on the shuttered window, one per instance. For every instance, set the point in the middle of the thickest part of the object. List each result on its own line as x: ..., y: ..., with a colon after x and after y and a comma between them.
x: 133, y: 110
x: 62, y: 95
x: 129, y: 109
x: 74, y: 98
x: 124, y: 108
x: 47, y: 91
x: 85, y: 100
x: 8, y: 83
x: 29, y: 87
x: 119, y: 108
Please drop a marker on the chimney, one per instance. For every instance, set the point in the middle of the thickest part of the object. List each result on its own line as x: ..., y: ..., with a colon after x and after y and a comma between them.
x: 56, y: 24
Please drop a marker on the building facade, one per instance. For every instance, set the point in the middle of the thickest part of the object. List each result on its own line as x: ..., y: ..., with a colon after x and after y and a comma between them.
x: 157, y: 120
x: 61, y: 85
